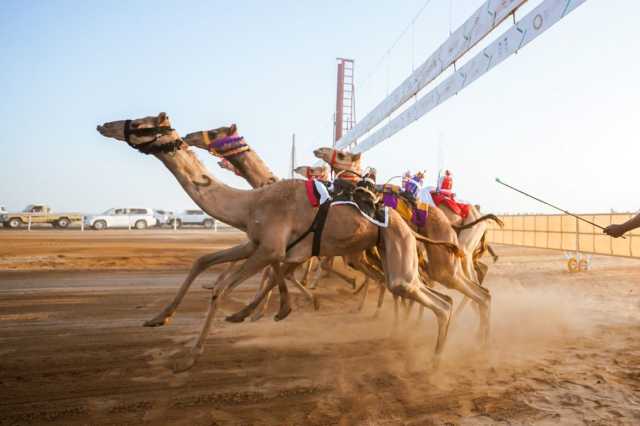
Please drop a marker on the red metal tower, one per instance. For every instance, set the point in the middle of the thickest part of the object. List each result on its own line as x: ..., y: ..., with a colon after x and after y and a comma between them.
x: 345, y: 115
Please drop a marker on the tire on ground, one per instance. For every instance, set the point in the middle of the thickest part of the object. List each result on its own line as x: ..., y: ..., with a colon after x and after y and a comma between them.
x: 14, y: 223
x: 63, y: 222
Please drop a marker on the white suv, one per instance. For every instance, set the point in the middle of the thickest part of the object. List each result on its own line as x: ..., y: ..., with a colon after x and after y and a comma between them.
x: 194, y: 217
x: 138, y: 218
x: 3, y: 215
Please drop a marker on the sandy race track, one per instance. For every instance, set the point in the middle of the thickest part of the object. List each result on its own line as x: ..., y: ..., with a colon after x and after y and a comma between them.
x: 565, y: 349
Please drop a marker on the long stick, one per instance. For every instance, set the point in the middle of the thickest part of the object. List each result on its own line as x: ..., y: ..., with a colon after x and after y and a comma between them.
x: 549, y: 204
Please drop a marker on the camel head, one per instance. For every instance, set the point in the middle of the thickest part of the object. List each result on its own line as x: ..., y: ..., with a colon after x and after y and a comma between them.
x: 205, y: 138
x: 309, y: 172
x: 149, y: 134
x: 339, y: 160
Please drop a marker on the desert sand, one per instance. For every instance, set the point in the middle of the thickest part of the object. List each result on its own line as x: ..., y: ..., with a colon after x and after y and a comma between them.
x: 565, y: 348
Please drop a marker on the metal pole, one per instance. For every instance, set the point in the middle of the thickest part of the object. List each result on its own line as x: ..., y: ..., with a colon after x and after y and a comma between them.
x: 339, y: 101
x: 215, y: 225
x: 29, y: 224
x: 293, y: 154
x: 577, y: 240
x: 82, y: 225
x: 550, y: 205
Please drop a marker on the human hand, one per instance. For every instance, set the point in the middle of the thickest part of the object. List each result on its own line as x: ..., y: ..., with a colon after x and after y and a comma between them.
x: 615, y: 231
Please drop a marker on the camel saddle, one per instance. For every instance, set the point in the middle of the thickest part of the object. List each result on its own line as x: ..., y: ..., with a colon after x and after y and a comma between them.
x: 404, y: 203
x: 323, y: 195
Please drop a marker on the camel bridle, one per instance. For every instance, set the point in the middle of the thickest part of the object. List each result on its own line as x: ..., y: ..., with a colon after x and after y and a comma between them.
x: 226, y: 147
x: 348, y: 173
x: 150, y: 147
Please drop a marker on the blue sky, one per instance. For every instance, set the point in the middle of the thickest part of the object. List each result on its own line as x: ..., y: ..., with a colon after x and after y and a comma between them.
x: 552, y: 119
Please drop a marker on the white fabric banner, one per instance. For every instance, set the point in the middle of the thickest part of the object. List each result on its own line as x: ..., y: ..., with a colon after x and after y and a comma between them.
x: 481, y: 23
x: 528, y: 28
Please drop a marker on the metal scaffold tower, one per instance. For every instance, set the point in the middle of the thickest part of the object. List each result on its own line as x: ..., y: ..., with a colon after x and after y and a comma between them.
x: 345, y: 115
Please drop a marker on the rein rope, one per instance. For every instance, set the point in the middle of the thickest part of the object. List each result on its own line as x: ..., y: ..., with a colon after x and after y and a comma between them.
x: 149, y: 147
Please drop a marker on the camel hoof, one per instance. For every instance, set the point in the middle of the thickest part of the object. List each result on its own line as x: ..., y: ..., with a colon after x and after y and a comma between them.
x: 209, y: 286
x: 237, y: 317
x: 157, y: 322
x: 316, y: 304
x: 353, y: 284
x: 282, y: 315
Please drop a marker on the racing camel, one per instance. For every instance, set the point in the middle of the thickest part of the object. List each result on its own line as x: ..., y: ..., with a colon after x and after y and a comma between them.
x: 239, y: 159
x: 348, y: 164
x: 273, y: 217
x: 442, y: 267
x: 245, y: 162
x: 468, y: 220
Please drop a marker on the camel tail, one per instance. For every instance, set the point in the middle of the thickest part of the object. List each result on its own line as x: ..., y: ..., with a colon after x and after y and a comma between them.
x: 452, y: 247
x: 492, y: 217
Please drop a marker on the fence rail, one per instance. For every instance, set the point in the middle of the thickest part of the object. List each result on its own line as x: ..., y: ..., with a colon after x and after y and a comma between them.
x: 563, y: 232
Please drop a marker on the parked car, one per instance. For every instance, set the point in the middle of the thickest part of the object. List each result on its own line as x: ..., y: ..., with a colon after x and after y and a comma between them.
x: 163, y: 217
x: 36, y: 214
x: 194, y: 217
x: 138, y: 218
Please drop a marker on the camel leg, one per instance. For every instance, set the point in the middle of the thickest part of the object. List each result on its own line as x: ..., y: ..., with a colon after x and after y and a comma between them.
x: 380, y: 297
x: 316, y: 276
x: 481, y: 270
x: 438, y: 303
x: 307, y: 271
x: 236, y: 253
x: 441, y: 305
x: 461, y: 306
x: 262, y: 308
x: 364, y: 288
x: 396, y: 311
x: 493, y: 253
x: 226, y: 272
x: 250, y: 267
x: 247, y: 310
x: 328, y: 267
x: 479, y: 295
x: 304, y: 291
x: 408, y: 309
x: 285, y: 302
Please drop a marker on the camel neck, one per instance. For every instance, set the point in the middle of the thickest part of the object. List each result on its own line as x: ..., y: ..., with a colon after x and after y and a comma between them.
x: 220, y: 201
x: 253, y: 169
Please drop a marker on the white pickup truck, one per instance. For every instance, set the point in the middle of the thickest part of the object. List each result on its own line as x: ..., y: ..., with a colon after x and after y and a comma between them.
x: 138, y: 218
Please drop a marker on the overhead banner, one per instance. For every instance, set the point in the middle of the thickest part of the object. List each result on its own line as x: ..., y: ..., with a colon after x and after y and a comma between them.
x: 527, y: 29
x: 481, y: 23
